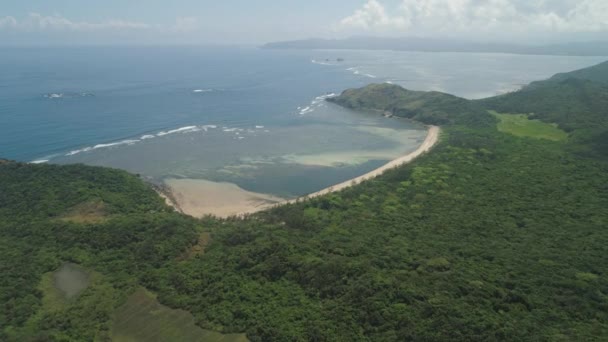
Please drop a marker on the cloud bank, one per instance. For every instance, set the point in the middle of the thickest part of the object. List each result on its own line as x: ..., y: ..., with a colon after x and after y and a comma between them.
x: 39, y: 22
x: 36, y: 22
x: 475, y: 16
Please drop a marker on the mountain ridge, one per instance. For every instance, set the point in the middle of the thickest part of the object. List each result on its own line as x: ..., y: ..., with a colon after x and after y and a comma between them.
x: 594, y: 48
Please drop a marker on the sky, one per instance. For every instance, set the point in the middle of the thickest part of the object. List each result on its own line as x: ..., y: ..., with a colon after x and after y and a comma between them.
x: 75, y: 22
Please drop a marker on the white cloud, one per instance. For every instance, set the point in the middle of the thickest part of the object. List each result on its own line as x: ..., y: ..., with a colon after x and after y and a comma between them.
x: 39, y: 22
x: 186, y: 24
x: 8, y: 22
x: 372, y: 16
x: 474, y: 16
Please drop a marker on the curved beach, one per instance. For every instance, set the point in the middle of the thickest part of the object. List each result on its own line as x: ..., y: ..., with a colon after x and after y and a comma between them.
x: 199, y: 198
x: 431, y: 139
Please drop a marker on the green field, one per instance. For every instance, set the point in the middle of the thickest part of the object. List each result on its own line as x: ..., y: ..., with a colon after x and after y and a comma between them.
x: 143, y: 318
x: 520, y: 125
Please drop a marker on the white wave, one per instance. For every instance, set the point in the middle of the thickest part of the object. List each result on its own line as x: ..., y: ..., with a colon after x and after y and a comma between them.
x: 370, y: 75
x: 233, y: 130
x: 351, y: 69
x: 41, y: 161
x: 306, y: 110
x: 322, y: 98
x: 314, y: 61
x: 259, y: 127
x: 202, y: 90
x: 124, y: 142
x: 66, y: 95
x: 179, y: 130
x: 241, y: 138
x: 315, y: 103
x: 187, y: 129
x: 75, y: 152
x: 357, y: 72
x: 208, y: 127
x: 98, y: 146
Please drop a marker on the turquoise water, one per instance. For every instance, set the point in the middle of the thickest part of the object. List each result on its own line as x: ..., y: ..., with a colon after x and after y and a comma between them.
x: 253, y: 117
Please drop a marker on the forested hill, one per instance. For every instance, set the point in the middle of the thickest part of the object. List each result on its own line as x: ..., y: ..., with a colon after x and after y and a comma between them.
x: 433, y: 108
x: 498, y: 234
x: 597, y: 73
x: 577, y: 102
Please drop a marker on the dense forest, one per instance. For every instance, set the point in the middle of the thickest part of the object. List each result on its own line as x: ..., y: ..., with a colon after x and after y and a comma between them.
x: 493, y: 236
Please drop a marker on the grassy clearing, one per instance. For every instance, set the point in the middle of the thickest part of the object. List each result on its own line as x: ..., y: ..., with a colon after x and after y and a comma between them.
x: 59, y: 287
x: 199, y: 249
x: 73, y: 297
x: 90, y: 212
x: 520, y: 125
x: 143, y: 318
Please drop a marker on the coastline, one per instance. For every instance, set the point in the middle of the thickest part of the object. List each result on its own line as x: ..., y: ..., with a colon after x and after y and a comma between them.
x: 199, y: 198
x: 166, y: 194
x: 429, y: 142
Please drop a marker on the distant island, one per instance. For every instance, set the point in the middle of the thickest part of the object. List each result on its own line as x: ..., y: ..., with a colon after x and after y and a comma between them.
x: 595, y: 48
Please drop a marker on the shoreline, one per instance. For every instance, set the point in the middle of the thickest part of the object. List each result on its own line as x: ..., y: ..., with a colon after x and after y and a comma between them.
x: 429, y: 142
x: 183, y: 195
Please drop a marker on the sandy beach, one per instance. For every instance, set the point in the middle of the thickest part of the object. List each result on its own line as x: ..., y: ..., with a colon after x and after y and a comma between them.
x: 196, y: 197
x: 431, y: 139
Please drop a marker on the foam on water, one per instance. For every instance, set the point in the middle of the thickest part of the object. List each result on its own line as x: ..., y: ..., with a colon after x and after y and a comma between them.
x: 66, y: 95
x: 306, y: 110
x: 98, y: 146
x: 41, y: 161
x: 315, y: 103
x: 314, y: 61
x: 183, y: 130
x: 208, y: 127
x: 179, y: 130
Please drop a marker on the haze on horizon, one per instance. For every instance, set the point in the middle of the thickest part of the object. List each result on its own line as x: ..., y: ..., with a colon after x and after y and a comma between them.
x: 70, y: 22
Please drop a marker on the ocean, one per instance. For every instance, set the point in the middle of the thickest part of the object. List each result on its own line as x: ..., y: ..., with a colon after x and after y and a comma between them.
x: 255, y: 118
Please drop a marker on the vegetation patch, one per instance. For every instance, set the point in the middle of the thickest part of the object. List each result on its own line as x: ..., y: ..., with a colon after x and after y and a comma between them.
x: 70, y: 279
x: 143, y: 318
x: 520, y: 125
x: 89, y: 212
x: 199, y: 248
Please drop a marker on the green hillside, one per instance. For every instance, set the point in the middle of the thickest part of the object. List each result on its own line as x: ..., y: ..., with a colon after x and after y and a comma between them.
x: 432, y: 108
x: 577, y: 102
x: 498, y: 234
x: 597, y: 73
